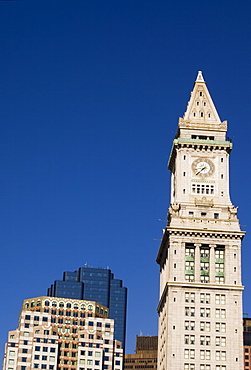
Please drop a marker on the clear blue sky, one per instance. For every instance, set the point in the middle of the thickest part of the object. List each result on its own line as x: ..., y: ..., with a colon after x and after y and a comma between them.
x: 91, y: 92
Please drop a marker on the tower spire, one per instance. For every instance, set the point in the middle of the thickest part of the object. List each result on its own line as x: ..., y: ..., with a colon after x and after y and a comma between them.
x: 199, y: 77
x: 201, y: 108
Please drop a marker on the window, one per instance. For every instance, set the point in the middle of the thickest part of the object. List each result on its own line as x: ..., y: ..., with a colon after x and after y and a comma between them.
x: 97, y: 354
x: 24, y: 359
x: 37, y: 348
x: 220, y: 313
x: 202, y: 189
x: 204, y: 340
x: 189, y: 311
x: 205, y: 355
x: 36, y: 357
x: 220, y: 327
x: 204, y: 312
x: 220, y: 341
x: 24, y: 350
x: 189, y: 297
x: 220, y: 298
x: 36, y: 366
x: 205, y: 367
x: 44, y: 358
x: 45, y: 349
x: 189, y: 366
x: 27, y: 317
x: 189, y: 354
x: 204, y: 326
x: 189, y: 325
x: 11, y: 361
x: 45, y: 318
x: 189, y: 339
x: 26, y: 334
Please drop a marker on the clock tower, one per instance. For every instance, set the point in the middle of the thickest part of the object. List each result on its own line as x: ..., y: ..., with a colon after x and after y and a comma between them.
x: 200, y: 306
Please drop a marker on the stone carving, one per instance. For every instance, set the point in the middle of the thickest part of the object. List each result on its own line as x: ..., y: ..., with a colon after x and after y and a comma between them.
x: 204, y: 202
x: 232, y: 212
x: 174, y: 208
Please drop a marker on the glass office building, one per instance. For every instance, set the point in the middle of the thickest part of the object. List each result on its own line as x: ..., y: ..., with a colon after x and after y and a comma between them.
x: 96, y: 284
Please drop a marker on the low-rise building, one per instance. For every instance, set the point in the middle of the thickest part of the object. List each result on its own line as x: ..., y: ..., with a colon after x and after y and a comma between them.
x: 57, y: 333
x: 146, y: 354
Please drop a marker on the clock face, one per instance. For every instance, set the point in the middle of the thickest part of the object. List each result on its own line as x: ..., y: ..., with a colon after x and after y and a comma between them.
x: 203, y: 167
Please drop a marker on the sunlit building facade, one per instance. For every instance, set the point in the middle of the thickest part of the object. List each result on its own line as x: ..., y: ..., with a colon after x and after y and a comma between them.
x: 63, y: 334
x: 200, y: 306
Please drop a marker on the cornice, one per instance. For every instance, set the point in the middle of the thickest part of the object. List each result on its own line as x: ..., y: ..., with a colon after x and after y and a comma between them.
x: 197, y: 233
x: 194, y: 286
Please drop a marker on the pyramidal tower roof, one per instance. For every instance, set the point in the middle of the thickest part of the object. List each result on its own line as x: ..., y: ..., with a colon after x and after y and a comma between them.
x: 200, y: 108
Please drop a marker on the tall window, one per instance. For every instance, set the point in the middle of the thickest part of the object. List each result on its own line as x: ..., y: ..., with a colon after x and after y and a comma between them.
x: 189, y: 263
x: 219, y: 265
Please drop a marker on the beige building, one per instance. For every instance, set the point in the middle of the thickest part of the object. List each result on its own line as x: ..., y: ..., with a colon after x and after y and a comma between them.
x: 59, y: 333
x: 145, y: 356
x: 247, y: 342
x: 200, y: 306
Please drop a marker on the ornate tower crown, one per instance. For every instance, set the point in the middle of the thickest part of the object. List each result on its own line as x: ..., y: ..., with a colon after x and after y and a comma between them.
x: 201, y: 112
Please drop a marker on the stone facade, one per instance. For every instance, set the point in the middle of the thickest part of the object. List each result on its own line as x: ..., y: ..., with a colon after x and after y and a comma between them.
x: 200, y: 307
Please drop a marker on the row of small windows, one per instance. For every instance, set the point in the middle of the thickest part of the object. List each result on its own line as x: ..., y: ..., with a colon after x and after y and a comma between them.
x: 36, y: 366
x: 201, y: 114
x: 205, y: 298
x: 185, y: 157
x: 203, y: 189
x: 206, y: 326
x: 202, y: 137
x: 203, y: 214
x: 204, y: 367
x: 61, y: 304
x: 205, y: 355
x: 205, y: 279
x: 206, y: 312
x: 205, y: 340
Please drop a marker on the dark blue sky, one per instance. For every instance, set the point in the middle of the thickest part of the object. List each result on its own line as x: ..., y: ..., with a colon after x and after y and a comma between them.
x: 91, y: 92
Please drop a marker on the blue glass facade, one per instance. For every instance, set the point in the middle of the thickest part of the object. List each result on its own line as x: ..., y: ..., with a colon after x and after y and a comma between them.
x: 95, y: 284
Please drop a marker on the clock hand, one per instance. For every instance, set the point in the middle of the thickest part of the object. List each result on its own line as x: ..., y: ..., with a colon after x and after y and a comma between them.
x: 201, y: 169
